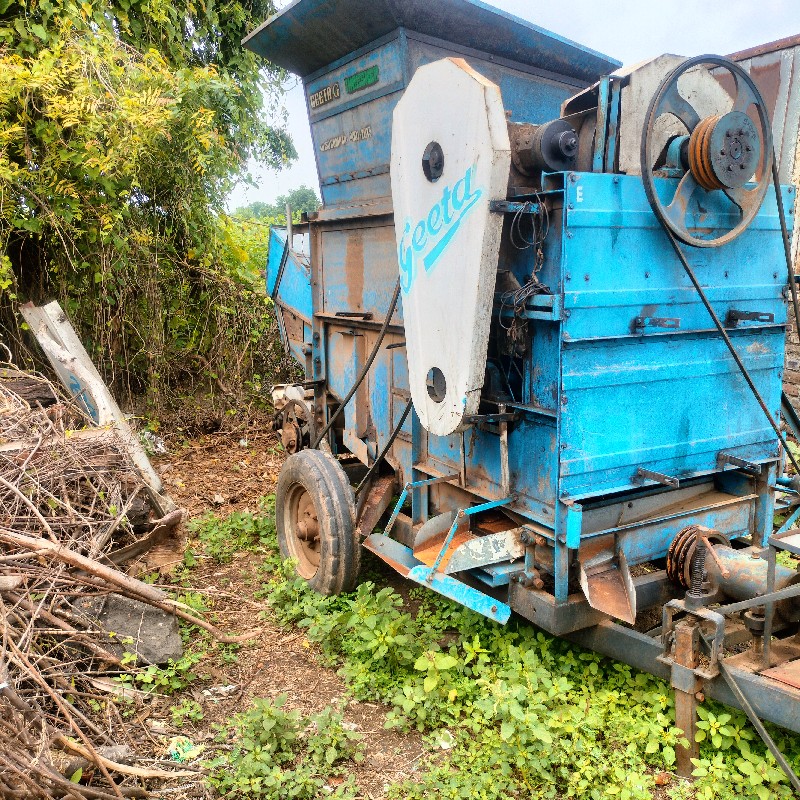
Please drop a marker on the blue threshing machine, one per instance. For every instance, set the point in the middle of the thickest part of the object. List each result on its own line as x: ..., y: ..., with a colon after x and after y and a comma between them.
x: 542, y: 315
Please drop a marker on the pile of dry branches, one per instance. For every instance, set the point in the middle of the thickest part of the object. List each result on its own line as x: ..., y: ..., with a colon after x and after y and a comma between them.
x: 72, y: 508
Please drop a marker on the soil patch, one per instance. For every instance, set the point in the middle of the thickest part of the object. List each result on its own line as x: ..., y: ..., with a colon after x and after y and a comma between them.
x: 224, y: 473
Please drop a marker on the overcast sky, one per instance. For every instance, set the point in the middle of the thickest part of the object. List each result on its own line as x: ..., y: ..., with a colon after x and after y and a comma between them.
x: 628, y: 30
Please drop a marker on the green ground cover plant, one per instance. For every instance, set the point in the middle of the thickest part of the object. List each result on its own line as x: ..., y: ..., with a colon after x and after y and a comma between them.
x: 222, y: 537
x: 270, y: 752
x: 512, y: 711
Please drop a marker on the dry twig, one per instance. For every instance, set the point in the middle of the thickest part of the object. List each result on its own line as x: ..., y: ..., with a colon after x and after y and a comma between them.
x: 70, y: 497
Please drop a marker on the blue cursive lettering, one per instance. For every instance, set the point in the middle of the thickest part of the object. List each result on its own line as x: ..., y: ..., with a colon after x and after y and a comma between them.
x: 428, y: 238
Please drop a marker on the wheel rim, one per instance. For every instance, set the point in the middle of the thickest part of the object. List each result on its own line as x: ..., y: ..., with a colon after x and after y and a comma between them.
x: 302, y: 526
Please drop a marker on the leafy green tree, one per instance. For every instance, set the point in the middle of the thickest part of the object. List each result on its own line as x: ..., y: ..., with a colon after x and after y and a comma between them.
x: 301, y: 200
x: 123, y: 126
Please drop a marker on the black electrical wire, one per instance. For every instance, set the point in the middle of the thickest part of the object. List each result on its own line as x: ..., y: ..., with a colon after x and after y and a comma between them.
x: 382, y: 454
x: 365, y: 369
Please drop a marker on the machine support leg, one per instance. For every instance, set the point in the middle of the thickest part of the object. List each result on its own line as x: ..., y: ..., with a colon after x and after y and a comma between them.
x: 769, y: 608
x: 687, y: 648
x: 561, y: 569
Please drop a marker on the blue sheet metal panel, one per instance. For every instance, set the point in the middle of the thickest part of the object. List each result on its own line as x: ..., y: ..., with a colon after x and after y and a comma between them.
x: 355, y: 191
x: 609, y: 217
x: 295, y: 287
x: 618, y: 201
x: 380, y: 397
x: 341, y: 357
x: 526, y: 97
x: 651, y: 540
x: 360, y: 80
x: 360, y: 270
x: 542, y: 367
x: 609, y: 281
x: 532, y: 460
x: 295, y: 276
x: 400, y: 369
x: 666, y: 403
x: 277, y: 245
x: 308, y: 34
x: 352, y: 134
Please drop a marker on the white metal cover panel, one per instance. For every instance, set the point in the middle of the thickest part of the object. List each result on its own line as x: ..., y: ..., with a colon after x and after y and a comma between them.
x: 447, y: 239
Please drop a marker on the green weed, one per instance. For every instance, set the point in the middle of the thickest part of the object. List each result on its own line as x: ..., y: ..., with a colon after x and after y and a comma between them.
x: 510, y: 711
x: 526, y: 714
x: 279, y: 754
x: 175, y: 676
x: 223, y: 537
x: 186, y: 711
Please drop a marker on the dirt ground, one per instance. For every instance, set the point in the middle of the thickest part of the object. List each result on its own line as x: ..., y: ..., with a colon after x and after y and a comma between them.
x: 225, y: 472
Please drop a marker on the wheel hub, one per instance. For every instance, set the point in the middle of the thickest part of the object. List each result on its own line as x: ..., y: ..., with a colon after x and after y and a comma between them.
x: 307, y: 522
x: 305, y: 533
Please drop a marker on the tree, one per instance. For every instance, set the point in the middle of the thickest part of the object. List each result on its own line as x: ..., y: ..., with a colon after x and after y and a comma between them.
x: 123, y: 127
x: 301, y: 200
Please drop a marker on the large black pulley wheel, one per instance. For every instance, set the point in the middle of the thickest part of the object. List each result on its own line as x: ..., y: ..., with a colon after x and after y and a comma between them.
x: 722, y: 152
x: 315, y: 518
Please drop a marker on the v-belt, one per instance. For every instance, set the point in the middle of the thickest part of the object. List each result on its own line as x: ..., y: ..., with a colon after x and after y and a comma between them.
x: 726, y: 673
x: 722, y: 332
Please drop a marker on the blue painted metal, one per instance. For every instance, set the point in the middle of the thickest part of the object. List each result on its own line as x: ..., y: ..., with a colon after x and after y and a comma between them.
x: 619, y: 367
x: 308, y: 35
x: 461, y: 593
x: 330, y: 42
x: 791, y: 522
x: 603, y: 97
x: 496, y: 574
x: 466, y: 512
x: 392, y: 552
x: 403, y: 560
x: 612, y: 133
x: 404, y: 495
x: 288, y: 281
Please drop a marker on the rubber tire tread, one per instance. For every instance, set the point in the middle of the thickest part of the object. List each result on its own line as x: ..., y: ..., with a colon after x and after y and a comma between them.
x: 326, y: 482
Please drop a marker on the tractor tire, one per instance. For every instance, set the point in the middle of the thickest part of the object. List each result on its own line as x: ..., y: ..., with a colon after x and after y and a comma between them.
x: 315, y: 520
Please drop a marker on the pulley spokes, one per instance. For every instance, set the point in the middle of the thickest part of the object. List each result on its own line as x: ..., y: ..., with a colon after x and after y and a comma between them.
x: 722, y: 152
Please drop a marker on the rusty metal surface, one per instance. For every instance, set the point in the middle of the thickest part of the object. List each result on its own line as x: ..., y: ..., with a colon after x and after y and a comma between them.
x: 775, y: 69
x: 395, y: 554
x: 788, y: 673
x: 687, y: 648
x: 429, y: 553
x: 747, y: 577
x: 608, y: 586
x: 764, y: 49
x: 378, y: 499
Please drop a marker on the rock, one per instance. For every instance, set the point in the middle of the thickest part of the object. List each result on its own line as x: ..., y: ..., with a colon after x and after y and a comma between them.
x: 10, y: 582
x: 155, y: 635
x: 69, y: 764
